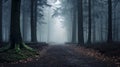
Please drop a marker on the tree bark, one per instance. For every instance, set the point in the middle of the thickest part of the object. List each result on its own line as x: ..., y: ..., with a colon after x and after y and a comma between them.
x: 89, y: 24
x: 74, y: 24
x: 74, y: 29
x: 15, y: 34
x: 110, y: 38
x: 94, y: 23
x: 80, y: 23
x: 33, y: 20
x: 16, y: 41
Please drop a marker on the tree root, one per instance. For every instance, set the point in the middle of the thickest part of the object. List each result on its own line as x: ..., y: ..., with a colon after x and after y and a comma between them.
x: 17, y: 47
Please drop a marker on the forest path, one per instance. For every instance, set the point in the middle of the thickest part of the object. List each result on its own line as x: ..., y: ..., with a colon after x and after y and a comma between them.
x: 62, y: 56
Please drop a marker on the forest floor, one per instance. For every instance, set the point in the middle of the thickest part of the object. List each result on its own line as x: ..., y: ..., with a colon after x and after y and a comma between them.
x: 103, y: 51
x: 61, y: 56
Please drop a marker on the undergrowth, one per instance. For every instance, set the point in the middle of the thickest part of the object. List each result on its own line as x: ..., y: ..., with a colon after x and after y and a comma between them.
x: 14, y: 55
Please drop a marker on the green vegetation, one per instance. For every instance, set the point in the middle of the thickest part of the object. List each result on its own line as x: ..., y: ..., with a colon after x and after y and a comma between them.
x: 16, y: 54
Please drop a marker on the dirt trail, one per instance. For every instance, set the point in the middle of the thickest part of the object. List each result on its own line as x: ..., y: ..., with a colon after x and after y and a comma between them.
x: 62, y: 56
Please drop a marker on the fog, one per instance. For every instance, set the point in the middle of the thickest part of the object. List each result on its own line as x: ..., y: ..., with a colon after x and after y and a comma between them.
x: 58, y: 21
x: 55, y: 30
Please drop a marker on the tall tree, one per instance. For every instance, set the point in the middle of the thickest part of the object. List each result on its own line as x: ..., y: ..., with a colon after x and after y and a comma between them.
x: 110, y: 38
x: 89, y: 24
x: 116, y: 25
x: 15, y: 33
x: 74, y: 29
x: 0, y: 21
x: 74, y: 24
x: 80, y: 22
x: 34, y: 20
x: 94, y: 22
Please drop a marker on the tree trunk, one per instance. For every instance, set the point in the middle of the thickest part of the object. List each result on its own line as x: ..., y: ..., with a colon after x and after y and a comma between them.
x: 24, y: 15
x: 109, y: 39
x: 34, y: 20
x: 74, y: 24
x: 74, y: 29
x: 80, y: 23
x: 0, y: 21
x: 101, y: 33
x: 94, y: 23
x: 89, y: 24
x: 15, y: 34
x: 94, y: 31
